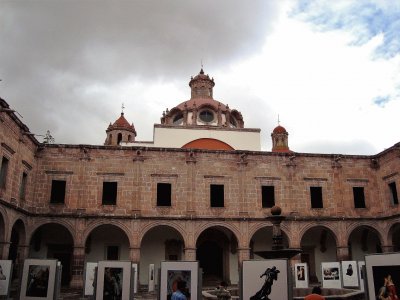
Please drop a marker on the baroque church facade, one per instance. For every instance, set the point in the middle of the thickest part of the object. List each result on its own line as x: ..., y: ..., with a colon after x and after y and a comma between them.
x: 201, y: 190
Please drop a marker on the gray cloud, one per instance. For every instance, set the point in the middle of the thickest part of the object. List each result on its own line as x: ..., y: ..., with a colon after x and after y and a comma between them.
x: 52, y: 50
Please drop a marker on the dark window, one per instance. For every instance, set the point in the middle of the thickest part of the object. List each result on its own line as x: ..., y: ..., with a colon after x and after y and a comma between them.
x: 3, y: 172
x: 22, y: 188
x: 359, y: 198
x: 268, y: 196
x: 206, y: 116
x: 109, y: 193
x: 393, y: 192
x: 119, y: 138
x: 217, y: 195
x: 163, y: 194
x: 316, y: 197
x: 112, y: 253
x: 178, y: 119
x: 57, y: 191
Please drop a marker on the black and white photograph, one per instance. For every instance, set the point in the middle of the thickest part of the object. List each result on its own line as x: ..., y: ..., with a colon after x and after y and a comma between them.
x: 5, y: 274
x: 179, y: 280
x: 361, y: 276
x: 301, y: 275
x: 38, y: 279
x: 331, y: 275
x: 350, y: 274
x: 113, y: 280
x: 265, y: 280
x: 383, y: 276
x: 90, y: 272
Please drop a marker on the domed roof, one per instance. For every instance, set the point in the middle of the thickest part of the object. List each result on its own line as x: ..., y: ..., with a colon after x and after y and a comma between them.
x: 122, y: 124
x: 280, y: 129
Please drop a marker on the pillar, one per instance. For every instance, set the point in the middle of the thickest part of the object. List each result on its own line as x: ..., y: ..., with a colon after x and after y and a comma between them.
x: 4, y: 249
x: 342, y: 253
x: 190, y: 253
x: 78, y: 266
x: 387, y: 248
x: 134, y: 254
x: 243, y: 254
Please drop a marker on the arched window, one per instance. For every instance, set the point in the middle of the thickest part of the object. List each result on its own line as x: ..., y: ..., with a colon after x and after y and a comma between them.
x: 119, y: 139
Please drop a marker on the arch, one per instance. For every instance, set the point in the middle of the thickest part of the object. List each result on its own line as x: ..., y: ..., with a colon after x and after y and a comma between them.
x: 360, y: 241
x: 106, y: 242
x: 54, y: 240
x: 370, y: 225
x: 259, y: 243
x: 318, y: 244
x: 119, y: 138
x: 41, y: 223
x: 151, y: 225
x: 208, y: 144
x: 216, y: 250
x: 205, y: 226
x: 326, y: 226
x: 160, y: 242
x: 96, y: 224
x: 394, y: 236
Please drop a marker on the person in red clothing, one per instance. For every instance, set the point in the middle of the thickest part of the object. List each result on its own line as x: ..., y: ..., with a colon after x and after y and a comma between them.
x: 315, y: 294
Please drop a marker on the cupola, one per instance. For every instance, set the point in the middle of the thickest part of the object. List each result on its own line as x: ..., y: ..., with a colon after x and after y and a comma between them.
x: 280, y: 140
x: 120, y: 132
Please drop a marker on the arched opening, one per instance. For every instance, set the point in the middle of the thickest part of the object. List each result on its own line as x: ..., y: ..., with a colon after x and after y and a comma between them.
x: 318, y: 245
x: 396, y: 237
x: 53, y: 241
x: 159, y: 243
x: 363, y: 240
x: 216, y: 251
x: 262, y: 241
x: 207, y: 143
x: 106, y: 242
x: 119, y: 138
x: 17, y: 238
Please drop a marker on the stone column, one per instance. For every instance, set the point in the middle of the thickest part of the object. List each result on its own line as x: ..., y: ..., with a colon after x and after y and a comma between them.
x: 190, y: 253
x: 342, y: 253
x: 387, y: 248
x: 78, y: 266
x: 134, y: 254
x: 22, y: 254
x: 243, y: 254
x: 4, y: 249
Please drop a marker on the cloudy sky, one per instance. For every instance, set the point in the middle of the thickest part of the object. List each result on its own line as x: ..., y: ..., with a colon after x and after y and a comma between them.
x: 329, y: 69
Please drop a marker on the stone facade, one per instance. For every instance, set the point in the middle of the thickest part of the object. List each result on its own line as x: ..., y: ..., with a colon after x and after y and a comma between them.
x: 28, y: 219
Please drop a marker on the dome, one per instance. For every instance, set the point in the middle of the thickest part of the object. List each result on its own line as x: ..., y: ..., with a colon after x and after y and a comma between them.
x: 122, y: 124
x: 202, y: 109
x: 279, y: 129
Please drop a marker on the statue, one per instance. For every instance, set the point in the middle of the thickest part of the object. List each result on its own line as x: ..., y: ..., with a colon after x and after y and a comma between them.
x: 270, y: 274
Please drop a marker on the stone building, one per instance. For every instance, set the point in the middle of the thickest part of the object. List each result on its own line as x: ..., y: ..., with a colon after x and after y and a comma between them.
x: 201, y: 190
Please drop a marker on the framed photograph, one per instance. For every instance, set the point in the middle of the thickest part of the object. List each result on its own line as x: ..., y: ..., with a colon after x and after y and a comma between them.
x: 361, y: 272
x: 38, y: 279
x: 265, y: 279
x: 113, y: 280
x: 301, y: 275
x: 90, y: 274
x: 179, y: 277
x: 350, y: 273
x: 331, y: 275
x: 383, y: 275
x: 134, y: 283
x: 5, y: 275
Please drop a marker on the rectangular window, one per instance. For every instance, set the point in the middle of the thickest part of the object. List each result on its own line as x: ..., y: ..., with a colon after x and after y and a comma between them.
x: 3, y: 172
x: 22, y: 187
x: 57, y: 191
x: 316, y: 197
x: 163, y: 194
x: 109, y: 193
x: 268, y: 196
x: 393, y: 193
x: 359, y: 198
x: 217, y: 195
x: 112, y: 253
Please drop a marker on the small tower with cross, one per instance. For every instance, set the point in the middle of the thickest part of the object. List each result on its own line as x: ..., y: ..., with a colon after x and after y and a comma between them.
x: 120, y: 131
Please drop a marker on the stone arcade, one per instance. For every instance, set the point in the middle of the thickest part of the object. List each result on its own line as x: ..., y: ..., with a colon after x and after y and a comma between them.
x: 202, y: 189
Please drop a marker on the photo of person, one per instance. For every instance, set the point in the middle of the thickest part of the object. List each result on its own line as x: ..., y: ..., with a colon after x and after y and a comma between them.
x: 386, y: 281
x: 349, y: 271
x: 113, y: 278
x: 300, y: 273
x: 178, y: 284
x: 38, y: 281
x: 2, y: 276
